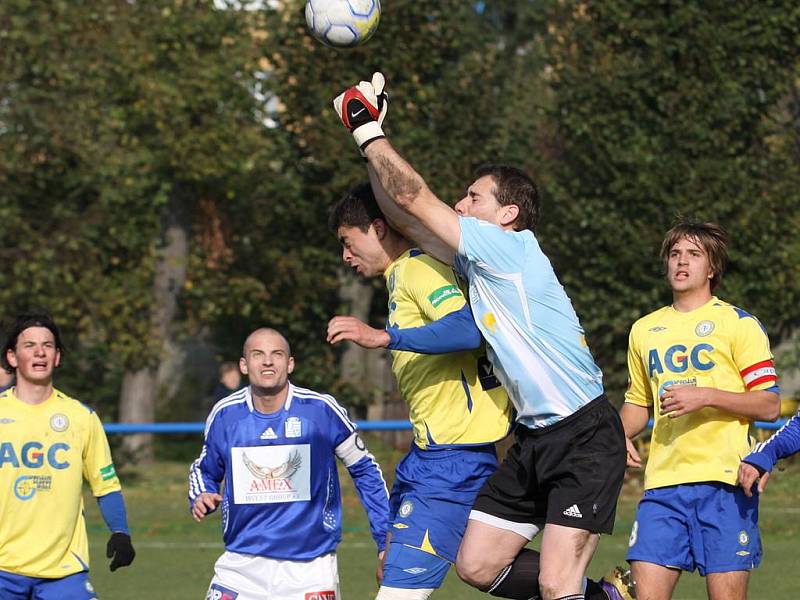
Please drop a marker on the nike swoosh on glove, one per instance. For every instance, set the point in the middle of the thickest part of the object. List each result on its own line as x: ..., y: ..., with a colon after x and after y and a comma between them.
x: 362, y: 109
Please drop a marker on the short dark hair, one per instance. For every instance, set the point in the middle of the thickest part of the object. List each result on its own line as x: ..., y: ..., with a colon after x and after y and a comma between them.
x: 712, y: 238
x: 23, y: 322
x: 515, y: 186
x: 357, y: 208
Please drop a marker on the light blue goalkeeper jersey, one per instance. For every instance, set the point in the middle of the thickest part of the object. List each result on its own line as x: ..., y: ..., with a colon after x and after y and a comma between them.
x: 281, y: 495
x: 535, y: 341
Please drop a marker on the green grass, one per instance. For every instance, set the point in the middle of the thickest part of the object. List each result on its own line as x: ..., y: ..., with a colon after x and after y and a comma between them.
x: 175, y: 556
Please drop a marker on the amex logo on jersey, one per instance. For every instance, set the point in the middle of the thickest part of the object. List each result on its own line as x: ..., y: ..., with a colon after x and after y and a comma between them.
x: 269, y: 474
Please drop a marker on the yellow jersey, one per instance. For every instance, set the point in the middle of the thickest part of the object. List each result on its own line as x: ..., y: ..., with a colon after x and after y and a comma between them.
x: 717, y: 346
x: 45, y: 452
x: 450, y: 398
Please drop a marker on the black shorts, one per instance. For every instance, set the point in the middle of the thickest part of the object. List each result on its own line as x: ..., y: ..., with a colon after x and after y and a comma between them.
x: 569, y: 473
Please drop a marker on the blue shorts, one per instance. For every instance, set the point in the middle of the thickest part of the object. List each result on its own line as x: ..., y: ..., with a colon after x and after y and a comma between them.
x: 711, y: 527
x: 22, y: 587
x: 429, y: 506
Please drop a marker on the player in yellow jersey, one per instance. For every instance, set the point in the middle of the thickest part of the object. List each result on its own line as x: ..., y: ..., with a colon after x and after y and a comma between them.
x: 457, y: 408
x: 48, y: 444
x: 704, y: 369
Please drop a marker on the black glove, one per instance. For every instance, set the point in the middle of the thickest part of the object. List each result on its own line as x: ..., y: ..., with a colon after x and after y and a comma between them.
x: 120, y: 547
x: 362, y: 109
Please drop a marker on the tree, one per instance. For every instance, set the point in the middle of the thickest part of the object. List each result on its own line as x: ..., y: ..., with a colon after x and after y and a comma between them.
x: 667, y: 109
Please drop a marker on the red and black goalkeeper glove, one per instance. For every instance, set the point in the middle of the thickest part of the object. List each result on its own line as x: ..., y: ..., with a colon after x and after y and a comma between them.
x: 362, y: 108
x: 120, y: 547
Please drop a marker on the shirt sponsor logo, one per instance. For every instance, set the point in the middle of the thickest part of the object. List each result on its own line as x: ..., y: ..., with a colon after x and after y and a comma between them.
x: 59, y: 422
x: 326, y: 595
x: 292, y: 428
x: 26, y: 486
x: 436, y: 297
x: 217, y: 592
x: 677, y: 359
x: 33, y: 455
x: 269, y: 474
x: 108, y: 472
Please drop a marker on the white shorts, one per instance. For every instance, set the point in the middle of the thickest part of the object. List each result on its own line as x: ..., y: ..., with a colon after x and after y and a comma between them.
x: 248, y: 577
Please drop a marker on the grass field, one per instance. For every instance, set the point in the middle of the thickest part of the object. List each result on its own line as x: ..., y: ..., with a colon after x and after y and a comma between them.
x: 175, y: 555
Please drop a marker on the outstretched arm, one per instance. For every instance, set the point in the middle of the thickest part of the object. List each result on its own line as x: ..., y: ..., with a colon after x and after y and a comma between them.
x: 408, y: 224
x: 421, y: 215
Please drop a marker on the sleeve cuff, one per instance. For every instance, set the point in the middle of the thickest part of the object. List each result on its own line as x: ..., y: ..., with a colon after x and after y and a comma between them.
x: 367, y: 133
x: 759, y: 460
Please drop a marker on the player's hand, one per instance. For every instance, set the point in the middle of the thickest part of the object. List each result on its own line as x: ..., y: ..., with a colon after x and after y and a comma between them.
x: 747, y: 477
x: 342, y: 329
x: 379, y: 568
x: 205, y: 503
x: 678, y: 400
x: 362, y: 108
x: 633, y: 458
x: 120, y: 548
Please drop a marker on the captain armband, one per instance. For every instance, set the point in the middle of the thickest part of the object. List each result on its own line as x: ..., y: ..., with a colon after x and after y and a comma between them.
x: 352, y: 450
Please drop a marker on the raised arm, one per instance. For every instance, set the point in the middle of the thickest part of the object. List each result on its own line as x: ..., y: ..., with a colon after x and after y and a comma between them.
x: 410, y: 225
x: 429, y: 221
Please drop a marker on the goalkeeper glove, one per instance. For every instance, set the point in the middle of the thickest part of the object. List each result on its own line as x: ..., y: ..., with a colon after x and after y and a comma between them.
x: 362, y: 109
x: 120, y: 547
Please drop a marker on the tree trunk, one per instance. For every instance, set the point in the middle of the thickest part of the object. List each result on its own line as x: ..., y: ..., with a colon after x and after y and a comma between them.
x: 139, y: 386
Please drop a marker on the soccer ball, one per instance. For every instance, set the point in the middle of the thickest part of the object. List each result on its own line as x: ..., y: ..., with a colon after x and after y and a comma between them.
x: 342, y: 23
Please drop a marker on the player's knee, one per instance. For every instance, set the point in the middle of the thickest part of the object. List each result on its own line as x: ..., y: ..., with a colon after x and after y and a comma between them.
x: 389, y: 593
x: 474, y: 571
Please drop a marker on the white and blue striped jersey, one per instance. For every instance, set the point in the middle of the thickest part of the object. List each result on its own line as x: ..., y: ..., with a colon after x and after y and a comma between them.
x: 535, y: 341
x: 281, y: 495
x: 785, y: 442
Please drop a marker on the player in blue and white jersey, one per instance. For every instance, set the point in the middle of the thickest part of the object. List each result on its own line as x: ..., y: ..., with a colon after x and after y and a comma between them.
x: 757, y: 465
x: 269, y: 459
x: 565, y: 472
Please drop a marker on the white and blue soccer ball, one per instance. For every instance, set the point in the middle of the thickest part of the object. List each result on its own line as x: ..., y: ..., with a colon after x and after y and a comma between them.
x: 343, y: 23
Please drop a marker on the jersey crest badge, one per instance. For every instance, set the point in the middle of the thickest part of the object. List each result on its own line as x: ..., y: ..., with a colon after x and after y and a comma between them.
x: 293, y: 428
x: 704, y: 328
x: 59, y: 422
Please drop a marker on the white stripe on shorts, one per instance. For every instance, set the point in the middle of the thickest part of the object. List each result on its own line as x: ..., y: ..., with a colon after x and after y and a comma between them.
x: 526, y: 530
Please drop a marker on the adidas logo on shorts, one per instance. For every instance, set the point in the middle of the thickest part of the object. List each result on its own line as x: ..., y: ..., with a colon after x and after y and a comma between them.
x: 573, y: 511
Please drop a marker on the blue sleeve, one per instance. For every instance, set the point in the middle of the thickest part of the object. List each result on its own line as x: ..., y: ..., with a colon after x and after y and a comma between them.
x: 374, y: 496
x: 784, y: 443
x: 208, y: 471
x: 363, y: 468
x: 112, y: 507
x: 452, y: 333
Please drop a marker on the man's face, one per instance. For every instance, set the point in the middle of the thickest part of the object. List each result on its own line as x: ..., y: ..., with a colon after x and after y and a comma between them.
x: 688, y: 267
x: 480, y: 201
x: 362, y: 250
x: 35, y: 356
x: 266, y: 361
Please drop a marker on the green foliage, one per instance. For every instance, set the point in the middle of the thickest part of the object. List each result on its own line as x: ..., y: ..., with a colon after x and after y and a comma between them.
x: 686, y: 108
x: 119, y: 119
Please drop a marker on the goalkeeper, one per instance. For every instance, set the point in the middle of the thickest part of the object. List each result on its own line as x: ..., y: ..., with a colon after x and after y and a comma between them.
x: 565, y: 471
